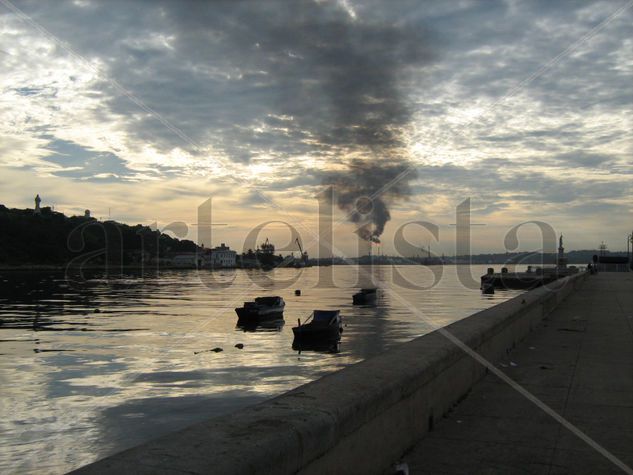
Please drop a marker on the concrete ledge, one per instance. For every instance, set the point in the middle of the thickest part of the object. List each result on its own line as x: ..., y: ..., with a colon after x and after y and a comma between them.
x: 357, y: 420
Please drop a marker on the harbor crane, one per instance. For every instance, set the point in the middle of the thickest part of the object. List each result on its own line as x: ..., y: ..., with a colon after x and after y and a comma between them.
x: 304, y: 255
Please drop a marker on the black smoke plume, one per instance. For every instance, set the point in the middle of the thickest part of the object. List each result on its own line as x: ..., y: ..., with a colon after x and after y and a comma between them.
x: 361, y: 68
x: 366, y: 191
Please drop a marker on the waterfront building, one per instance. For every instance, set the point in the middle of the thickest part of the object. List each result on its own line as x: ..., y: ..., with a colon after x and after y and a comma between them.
x: 223, y: 256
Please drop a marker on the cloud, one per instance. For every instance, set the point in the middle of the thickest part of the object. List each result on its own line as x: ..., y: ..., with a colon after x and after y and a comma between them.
x: 583, y: 159
x: 273, y: 95
x: 79, y: 162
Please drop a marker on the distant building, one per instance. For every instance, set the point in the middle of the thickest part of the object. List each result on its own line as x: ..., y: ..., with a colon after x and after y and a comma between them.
x: 223, y: 256
x: 187, y: 259
x: 87, y: 213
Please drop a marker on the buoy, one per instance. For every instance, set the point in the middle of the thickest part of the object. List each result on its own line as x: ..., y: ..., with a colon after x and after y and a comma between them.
x: 298, y: 292
x: 239, y: 346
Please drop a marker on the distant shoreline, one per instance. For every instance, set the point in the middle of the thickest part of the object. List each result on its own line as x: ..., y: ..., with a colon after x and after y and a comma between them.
x: 149, y: 268
x: 53, y: 267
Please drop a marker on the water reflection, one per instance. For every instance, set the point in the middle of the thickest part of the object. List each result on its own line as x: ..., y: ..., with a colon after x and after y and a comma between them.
x: 263, y: 326
x: 97, y: 365
x: 323, y: 346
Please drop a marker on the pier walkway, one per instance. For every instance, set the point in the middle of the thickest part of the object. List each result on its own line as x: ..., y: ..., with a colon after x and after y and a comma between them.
x: 579, y: 362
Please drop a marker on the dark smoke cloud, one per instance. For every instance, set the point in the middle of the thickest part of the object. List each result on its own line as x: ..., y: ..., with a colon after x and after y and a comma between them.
x: 366, y: 190
x: 359, y: 67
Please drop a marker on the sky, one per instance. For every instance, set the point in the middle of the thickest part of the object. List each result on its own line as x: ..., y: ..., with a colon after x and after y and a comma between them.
x: 142, y: 111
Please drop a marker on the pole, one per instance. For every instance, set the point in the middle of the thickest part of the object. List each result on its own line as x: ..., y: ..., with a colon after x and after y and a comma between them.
x: 629, y: 241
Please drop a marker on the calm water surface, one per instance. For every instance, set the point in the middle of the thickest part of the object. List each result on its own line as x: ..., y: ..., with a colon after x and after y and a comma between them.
x: 90, y: 367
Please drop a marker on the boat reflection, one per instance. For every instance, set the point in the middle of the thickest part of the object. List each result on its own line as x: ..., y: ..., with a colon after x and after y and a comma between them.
x: 262, y: 326
x: 317, y: 346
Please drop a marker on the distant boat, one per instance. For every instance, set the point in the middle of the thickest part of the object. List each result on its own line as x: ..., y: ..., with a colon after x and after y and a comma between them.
x: 365, y: 296
x: 263, y: 308
x: 321, y: 326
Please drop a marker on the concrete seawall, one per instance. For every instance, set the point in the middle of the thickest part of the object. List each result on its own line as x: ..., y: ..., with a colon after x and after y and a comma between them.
x: 357, y: 420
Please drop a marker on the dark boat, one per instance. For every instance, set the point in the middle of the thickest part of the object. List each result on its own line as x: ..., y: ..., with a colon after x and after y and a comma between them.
x: 263, y: 308
x: 321, y: 326
x: 365, y: 296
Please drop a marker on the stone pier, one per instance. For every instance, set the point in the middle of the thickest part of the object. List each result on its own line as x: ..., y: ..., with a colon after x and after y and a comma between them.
x: 579, y: 362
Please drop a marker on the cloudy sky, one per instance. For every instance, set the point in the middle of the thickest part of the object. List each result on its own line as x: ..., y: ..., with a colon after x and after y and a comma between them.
x: 146, y: 109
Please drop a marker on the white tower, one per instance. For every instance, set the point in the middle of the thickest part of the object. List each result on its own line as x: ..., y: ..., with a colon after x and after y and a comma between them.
x: 38, y: 200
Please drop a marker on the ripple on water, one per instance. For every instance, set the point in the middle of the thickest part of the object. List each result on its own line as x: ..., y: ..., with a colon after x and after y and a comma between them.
x: 92, y: 367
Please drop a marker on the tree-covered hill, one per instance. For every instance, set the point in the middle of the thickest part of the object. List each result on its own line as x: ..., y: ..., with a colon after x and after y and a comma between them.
x: 51, y: 238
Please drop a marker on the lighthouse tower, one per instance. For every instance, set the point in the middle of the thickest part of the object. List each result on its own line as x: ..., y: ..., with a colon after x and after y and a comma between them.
x: 37, y: 209
x: 561, y: 261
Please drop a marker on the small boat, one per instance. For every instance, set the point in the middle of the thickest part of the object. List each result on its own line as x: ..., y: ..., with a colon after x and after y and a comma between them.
x: 365, y: 296
x: 263, y: 308
x: 322, y: 325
